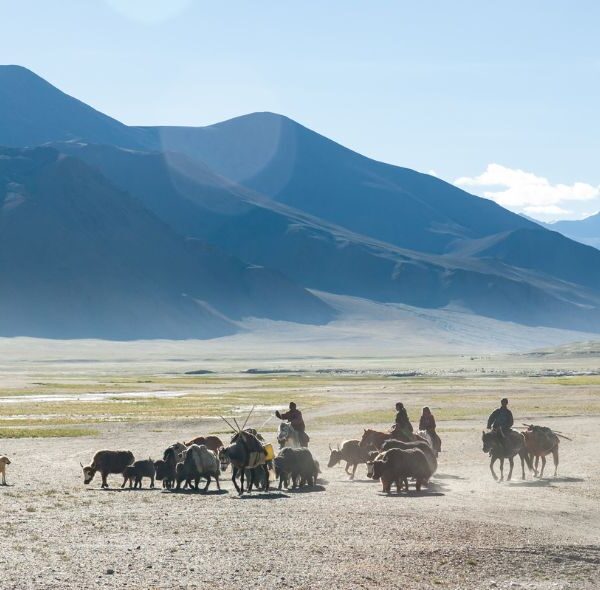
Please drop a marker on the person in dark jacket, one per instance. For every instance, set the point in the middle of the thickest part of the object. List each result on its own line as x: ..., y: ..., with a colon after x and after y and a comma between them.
x: 294, y: 417
x: 427, y: 423
x: 403, y: 429
x: 501, y: 420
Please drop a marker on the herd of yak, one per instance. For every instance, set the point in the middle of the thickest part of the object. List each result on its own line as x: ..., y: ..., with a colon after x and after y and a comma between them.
x: 254, y: 465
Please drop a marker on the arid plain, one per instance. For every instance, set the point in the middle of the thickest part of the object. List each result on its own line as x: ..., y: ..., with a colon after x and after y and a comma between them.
x: 60, y: 404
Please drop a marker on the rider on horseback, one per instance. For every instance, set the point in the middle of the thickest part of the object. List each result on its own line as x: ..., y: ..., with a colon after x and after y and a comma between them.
x: 402, y: 425
x: 501, y: 420
x: 427, y: 423
x: 294, y: 417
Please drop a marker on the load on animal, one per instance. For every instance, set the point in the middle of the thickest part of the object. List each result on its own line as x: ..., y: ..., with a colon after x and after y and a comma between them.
x: 199, y: 463
x: 539, y: 442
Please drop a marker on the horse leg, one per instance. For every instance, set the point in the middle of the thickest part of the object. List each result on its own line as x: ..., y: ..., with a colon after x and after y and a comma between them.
x: 543, y: 466
x: 347, y: 467
x: 353, y: 471
x: 252, y: 478
x: 218, y: 482
x: 233, y: 474
x: 501, y: 468
x: 537, y: 462
x: 492, y: 461
x: 512, y: 464
x: 555, y: 457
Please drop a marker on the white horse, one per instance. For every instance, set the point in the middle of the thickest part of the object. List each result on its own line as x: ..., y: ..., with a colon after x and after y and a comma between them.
x: 288, y: 436
x: 428, y: 439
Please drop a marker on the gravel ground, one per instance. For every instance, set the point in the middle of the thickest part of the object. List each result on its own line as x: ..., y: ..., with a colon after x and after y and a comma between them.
x: 466, y: 531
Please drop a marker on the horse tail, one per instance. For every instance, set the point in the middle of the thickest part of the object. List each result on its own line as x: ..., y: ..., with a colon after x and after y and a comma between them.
x: 527, y: 456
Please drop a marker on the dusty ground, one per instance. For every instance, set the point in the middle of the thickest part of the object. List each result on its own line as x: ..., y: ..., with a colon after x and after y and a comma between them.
x: 466, y: 531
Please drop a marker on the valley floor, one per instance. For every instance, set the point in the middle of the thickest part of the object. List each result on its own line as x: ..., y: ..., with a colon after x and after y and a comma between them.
x: 465, y: 531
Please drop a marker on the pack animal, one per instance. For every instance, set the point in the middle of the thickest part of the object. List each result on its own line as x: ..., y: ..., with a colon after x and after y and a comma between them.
x: 501, y: 446
x: 396, y: 466
x: 107, y: 462
x: 173, y: 455
x: 539, y: 442
x: 297, y: 466
x: 164, y: 473
x: 351, y: 452
x: 245, y: 452
x: 392, y: 443
x: 199, y: 463
x: 136, y: 472
x: 4, y: 461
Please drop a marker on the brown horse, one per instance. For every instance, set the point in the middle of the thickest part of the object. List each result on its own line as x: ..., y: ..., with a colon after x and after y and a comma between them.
x: 500, y: 446
x: 213, y: 443
x: 539, y: 442
x: 375, y: 438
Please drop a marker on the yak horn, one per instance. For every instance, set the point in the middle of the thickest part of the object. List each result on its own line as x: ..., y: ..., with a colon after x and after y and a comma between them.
x: 80, y: 463
x: 330, y: 447
x: 248, y: 417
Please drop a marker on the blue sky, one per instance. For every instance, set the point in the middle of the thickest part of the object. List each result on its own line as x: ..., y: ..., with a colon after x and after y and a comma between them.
x: 500, y: 97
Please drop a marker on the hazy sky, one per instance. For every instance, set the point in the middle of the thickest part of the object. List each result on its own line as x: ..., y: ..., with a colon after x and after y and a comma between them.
x: 501, y: 97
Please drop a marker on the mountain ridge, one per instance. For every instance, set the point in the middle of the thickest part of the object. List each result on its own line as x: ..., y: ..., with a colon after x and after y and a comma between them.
x: 268, y: 192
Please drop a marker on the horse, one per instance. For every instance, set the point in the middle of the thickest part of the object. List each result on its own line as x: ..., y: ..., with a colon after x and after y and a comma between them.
x: 288, y: 436
x: 373, y: 438
x: 245, y: 452
x: 539, y: 442
x: 430, y: 439
x: 505, y: 446
x: 376, y: 438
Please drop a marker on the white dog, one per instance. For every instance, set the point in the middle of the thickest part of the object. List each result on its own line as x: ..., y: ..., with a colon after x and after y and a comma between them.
x: 4, y: 461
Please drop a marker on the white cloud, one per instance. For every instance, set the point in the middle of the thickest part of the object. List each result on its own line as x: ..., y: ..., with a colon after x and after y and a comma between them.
x: 528, y: 193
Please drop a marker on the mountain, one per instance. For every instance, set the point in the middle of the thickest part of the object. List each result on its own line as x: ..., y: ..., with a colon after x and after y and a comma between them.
x: 267, y: 191
x: 586, y: 231
x: 81, y: 258
x: 33, y: 112
x: 196, y: 202
x: 293, y: 165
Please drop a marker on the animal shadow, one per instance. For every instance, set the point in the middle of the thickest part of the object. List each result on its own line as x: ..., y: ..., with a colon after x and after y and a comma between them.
x: 122, y: 490
x: 412, y: 494
x: 448, y: 476
x: 531, y: 483
x: 274, y: 495
x: 560, y: 479
x: 433, y: 486
x: 193, y: 492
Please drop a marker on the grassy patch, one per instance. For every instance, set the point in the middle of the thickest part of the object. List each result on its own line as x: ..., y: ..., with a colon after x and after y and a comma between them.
x: 574, y: 380
x: 46, y: 432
